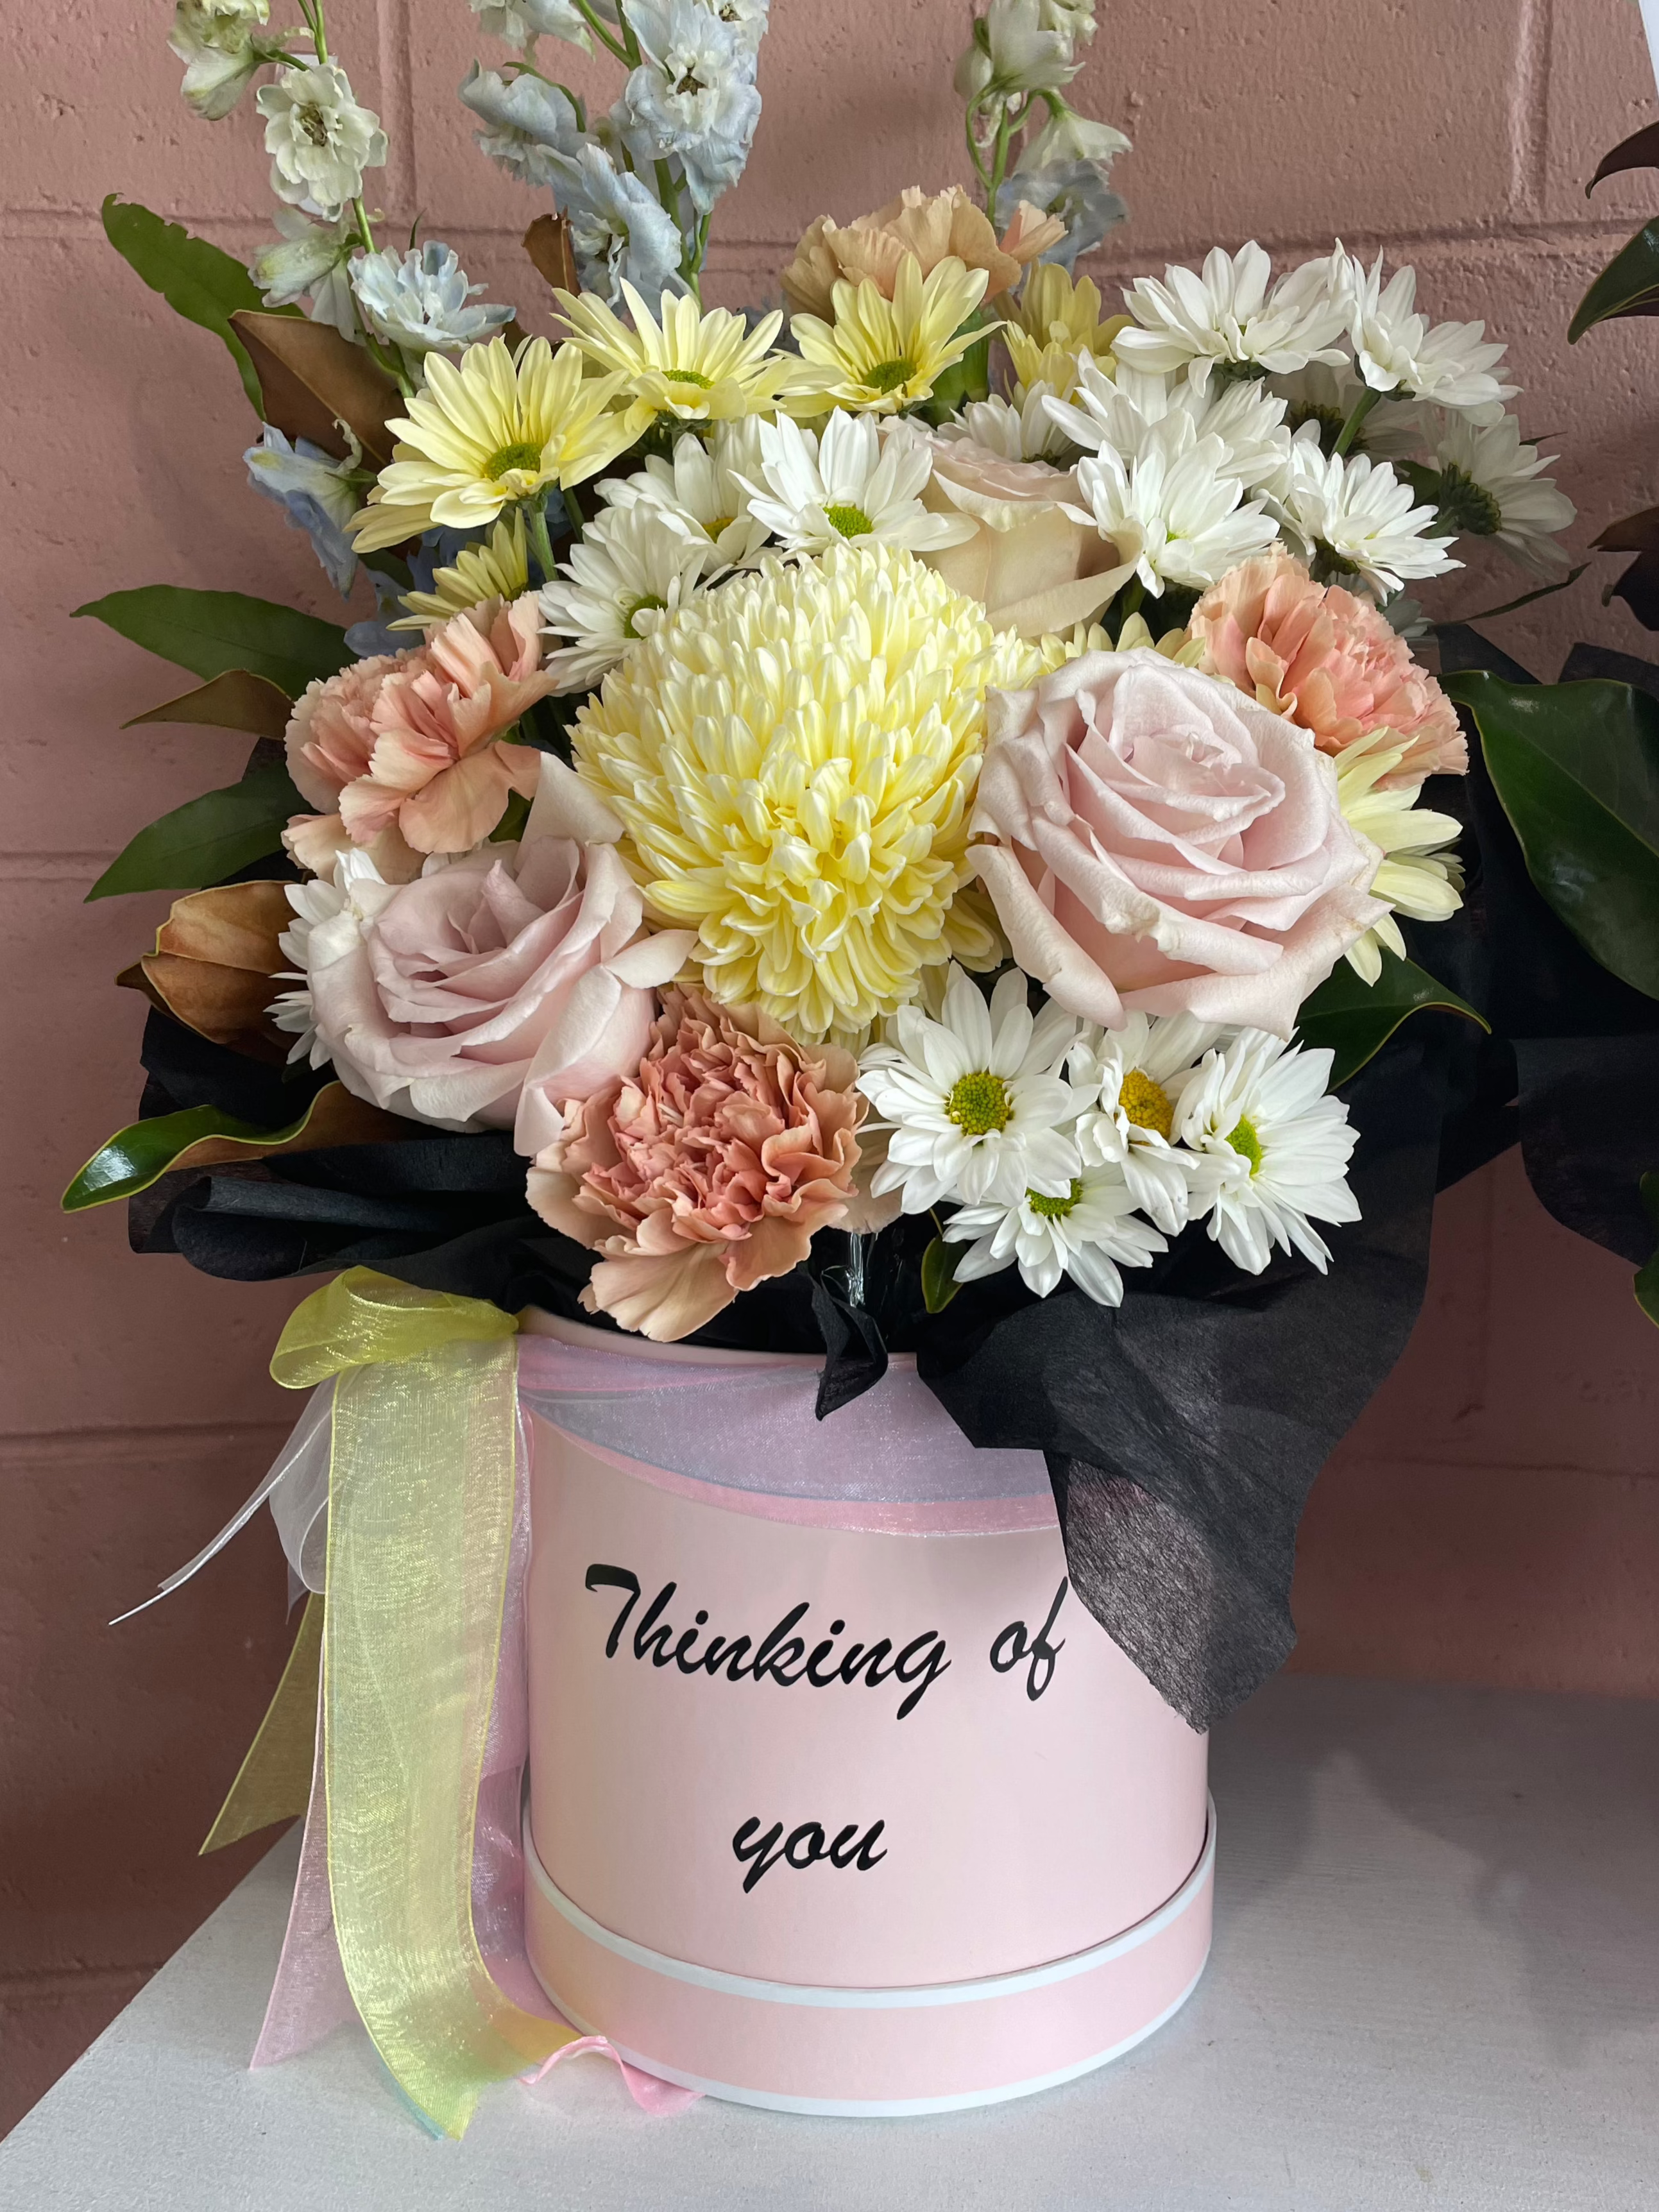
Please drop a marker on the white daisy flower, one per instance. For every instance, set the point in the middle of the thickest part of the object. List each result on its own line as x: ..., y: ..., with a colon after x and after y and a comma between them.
x: 1355, y: 516
x: 1136, y: 1076
x: 1421, y: 873
x: 1278, y: 1147
x: 1174, y: 509
x: 1021, y: 429
x: 1228, y: 318
x: 1493, y: 486
x: 328, y: 914
x: 1086, y: 1233
x: 1399, y: 350
x: 849, y: 483
x: 633, y: 565
x: 975, y: 1100
x: 704, y: 490
x: 1120, y: 413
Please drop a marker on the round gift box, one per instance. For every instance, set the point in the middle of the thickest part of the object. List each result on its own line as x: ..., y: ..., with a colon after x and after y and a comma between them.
x: 839, y: 1800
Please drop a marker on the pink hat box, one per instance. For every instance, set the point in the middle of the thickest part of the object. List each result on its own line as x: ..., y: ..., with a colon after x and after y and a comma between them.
x: 839, y: 1800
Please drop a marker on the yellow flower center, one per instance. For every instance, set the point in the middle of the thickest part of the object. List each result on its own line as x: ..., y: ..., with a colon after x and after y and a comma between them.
x: 1245, y: 1142
x: 634, y: 608
x: 720, y: 525
x: 1055, y: 1209
x: 688, y: 376
x: 1147, y: 1103
x: 979, y: 1103
x: 850, y: 521
x: 888, y: 375
x: 506, y: 458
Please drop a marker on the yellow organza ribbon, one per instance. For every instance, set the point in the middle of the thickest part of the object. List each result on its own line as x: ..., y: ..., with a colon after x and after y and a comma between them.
x: 421, y: 1505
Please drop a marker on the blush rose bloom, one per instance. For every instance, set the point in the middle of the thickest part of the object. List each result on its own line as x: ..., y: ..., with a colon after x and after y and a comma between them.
x: 1028, y: 563
x: 935, y: 227
x: 495, y: 981
x: 1328, y: 660
x: 707, y: 1169
x: 405, y: 748
x: 1166, y: 845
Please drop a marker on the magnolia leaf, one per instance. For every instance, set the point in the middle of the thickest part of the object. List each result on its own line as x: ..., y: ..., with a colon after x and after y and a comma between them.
x: 1639, y: 151
x: 314, y: 380
x: 238, y: 700
x: 1629, y: 285
x: 1638, y: 588
x: 1634, y: 534
x: 206, y: 839
x: 221, y: 633
x: 547, y: 242
x: 203, y: 1137
x: 1576, y: 767
x: 1354, y: 1019
x: 197, y: 280
x: 1647, y: 1277
x: 939, y: 1263
x: 212, y: 968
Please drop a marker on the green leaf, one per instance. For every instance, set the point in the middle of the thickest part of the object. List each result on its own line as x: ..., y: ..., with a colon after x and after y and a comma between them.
x: 217, y: 633
x: 235, y: 700
x: 939, y: 1274
x: 1355, y: 1019
x: 207, y: 839
x: 1647, y: 1278
x: 203, y: 1136
x: 197, y: 280
x: 1629, y: 285
x: 1576, y: 767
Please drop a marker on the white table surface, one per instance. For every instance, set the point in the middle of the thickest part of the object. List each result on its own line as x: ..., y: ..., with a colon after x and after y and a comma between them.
x: 1435, y: 1983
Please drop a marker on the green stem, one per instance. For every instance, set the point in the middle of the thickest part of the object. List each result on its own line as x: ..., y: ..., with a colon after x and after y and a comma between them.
x: 999, y: 163
x: 572, y: 509
x: 1351, y: 429
x: 541, y: 544
x: 631, y: 44
x: 972, y: 143
x: 603, y: 35
x: 312, y: 12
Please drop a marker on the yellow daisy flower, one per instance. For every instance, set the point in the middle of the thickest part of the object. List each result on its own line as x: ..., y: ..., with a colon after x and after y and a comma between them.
x: 693, y: 366
x: 1420, y: 874
x: 497, y: 570
x: 795, y: 758
x: 1056, y: 320
x: 884, y: 355
x: 493, y: 427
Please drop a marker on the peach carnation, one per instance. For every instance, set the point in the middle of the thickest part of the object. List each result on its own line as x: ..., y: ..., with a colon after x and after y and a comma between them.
x: 935, y: 228
x: 707, y: 1172
x: 406, y: 749
x: 1330, y: 661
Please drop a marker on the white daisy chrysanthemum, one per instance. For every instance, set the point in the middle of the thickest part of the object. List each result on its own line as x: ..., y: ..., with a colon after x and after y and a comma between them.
x: 1493, y: 486
x: 1355, y: 517
x: 975, y: 1100
x: 1020, y: 430
x: 1173, y: 510
x: 1421, y: 874
x: 1087, y: 1232
x: 1227, y: 319
x: 849, y: 482
x: 703, y: 489
x: 632, y: 566
x: 1119, y: 413
x: 1135, y: 1077
x: 1277, y: 1146
x: 1397, y: 349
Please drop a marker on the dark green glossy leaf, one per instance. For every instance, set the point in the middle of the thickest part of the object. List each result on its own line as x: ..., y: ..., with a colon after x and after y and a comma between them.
x: 235, y: 700
x: 939, y: 1274
x: 1647, y: 1277
x: 1354, y: 1019
x: 203, y: 1136
x: 216, y: 632
x: 207, y: 839
x: 197, y: 280
x: 1639, y: 151
x: 1576, y: 767
x: 1629, y: 285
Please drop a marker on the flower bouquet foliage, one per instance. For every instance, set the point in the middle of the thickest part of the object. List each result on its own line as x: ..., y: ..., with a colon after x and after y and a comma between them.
x: 902, y: 821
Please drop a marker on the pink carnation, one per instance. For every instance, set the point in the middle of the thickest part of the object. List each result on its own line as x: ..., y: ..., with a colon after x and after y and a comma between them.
x: 708, y: 1171
x: 410, y: 743
x: 1330, y: 661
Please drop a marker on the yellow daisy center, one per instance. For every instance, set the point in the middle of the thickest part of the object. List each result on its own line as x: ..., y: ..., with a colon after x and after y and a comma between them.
x: 689, y: 376
x: 850, y: 521
x: 1147, y: 1103
x: 1055, y: 1209
x: 505, y: 458
x: 1245, y: 1142
x: 979, y: 1103
x: 888, y: 375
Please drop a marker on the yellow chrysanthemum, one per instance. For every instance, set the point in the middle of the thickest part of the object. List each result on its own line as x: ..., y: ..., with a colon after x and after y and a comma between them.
x: 488, y: 429
x: 693, y: 366
x: 795, y: 758
x: 1421, y: 873
x: 882, y: 355
x: 1054, y: 321
x: 497, y: 570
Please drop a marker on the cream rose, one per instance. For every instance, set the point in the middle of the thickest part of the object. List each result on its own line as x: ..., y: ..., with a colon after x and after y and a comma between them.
x: 1031, y: 566
x: 494, y: 984
x: 1166, y: 845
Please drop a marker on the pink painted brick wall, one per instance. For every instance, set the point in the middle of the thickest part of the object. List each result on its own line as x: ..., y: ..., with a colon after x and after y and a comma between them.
x: 1494, y: 1516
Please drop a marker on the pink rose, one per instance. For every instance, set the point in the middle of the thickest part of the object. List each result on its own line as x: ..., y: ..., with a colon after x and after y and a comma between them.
x: 707, y: 1170
x: 494, y: 983
x: 1330, y: 661
x: 411, y: 744
x: 1166, y: 845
